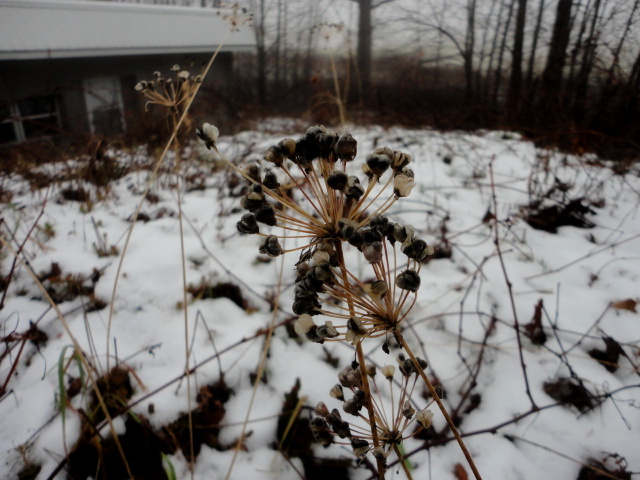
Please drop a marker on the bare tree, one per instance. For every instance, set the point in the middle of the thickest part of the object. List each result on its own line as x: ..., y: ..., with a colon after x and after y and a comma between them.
x: 515, y: 83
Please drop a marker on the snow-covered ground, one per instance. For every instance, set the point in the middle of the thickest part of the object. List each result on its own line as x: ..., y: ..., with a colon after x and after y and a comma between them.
x: 462, y: 323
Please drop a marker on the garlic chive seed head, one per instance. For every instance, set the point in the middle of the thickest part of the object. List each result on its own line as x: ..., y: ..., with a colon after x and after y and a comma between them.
x: 402, y: 185
x: 303, y: 324
x: 424, y: 417
x: 378, y: 163
x: 208, y: 135
x: 321, y: 410
x: 271, y: 246
x: 337, y: 180
x: 336, y: 392
x: 407, y: 410
x: 408, y: 280
x: 388, y: 371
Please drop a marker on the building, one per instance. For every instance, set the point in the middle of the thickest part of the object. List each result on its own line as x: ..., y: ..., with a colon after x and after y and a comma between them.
x: 71, y: 66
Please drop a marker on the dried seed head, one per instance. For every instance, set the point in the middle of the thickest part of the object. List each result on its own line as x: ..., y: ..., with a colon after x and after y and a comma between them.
x: 388, y: 371
x: 353, y: 189
x: 253, y: 172
x: 360, y: 446
x: 371, y: 370
x: 287, y: 147
x: 359, y: 397
x: 321, y: 409
x: 408, y: 410
x: 400, y: 160
x: 354, y: 324
x: 346, y: 148
x: 352, y: 407
x: 408, y: 280
x: 274, y: 155
x: 319, y: 257
x: 336, y: 392
x: 417, y: 249
x: 334, y: 417
x: 342, y: 429
x: 350, y: 377
x: 208, y: 135
x: 424, y: 418
x: 327, y: 330
x: 407, y: 367
x: 347, y: 228
x: 266, y: 214
x: 379, y: 453
x: 337, y: 180
x: 271, y: 180
x: 303, y: 324
x: 323, y: 437
x: 247, y: 224
x: 318, y: 423
x: 378, y: 163
x: 402, y: 185
x: 378, y: 289
x: 175, y: 68
x: 271, y: 246
x: 304, y: 305
x: 322, y: 272
x: 183, y: 75
x: 373, y: 252
x: 141, y: 86
x: 402, y: 234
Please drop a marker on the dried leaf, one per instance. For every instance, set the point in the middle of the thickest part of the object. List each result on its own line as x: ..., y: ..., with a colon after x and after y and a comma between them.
x: 628, y: 304
x: 460, y: 472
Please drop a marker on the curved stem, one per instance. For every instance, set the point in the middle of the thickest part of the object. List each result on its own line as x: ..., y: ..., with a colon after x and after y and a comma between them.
x: 441, y: 406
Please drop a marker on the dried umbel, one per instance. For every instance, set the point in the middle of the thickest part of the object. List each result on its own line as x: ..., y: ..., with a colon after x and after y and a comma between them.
x: 175, y: 94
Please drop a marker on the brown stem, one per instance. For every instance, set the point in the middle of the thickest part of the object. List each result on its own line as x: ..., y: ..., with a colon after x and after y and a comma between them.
x: 403, y: 462
x: 434, y: 394
x: 363, y: 367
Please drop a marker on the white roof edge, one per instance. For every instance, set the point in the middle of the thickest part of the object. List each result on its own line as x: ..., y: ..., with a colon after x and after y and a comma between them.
x: 111, y: 6
x: 48, y: 54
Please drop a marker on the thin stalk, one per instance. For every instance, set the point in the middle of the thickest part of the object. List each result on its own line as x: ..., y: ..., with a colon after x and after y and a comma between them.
x: 398, y: 335
x: 403, y: 462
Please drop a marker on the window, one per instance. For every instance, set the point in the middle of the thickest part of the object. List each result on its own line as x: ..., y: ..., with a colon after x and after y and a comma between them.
x: 31, y: 117
x: 104, y: 105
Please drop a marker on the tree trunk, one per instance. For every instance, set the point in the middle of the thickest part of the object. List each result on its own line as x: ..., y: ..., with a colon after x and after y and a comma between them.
x: 469, y: 43
x: 364, y: 46
x: 498, y: 75
x: 515, y: 83
x: 534, y: 46
x: 552, y: 76
x: 582, y: 82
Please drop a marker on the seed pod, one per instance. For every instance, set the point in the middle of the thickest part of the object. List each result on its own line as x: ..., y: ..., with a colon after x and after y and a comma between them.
x: 313, y: 336
x: 400, y: 160
x: 378, y: 289
x: 403, y: 234
x: 311, y: 283
x: 327, y: 330
x: 334, y: 417
x: 319, y: 257
x: 388, y: 371
x: 322, y: 272
x: 408, y: 410
x: 347, y: 228
x: 350, y: 377
x: 271, y: 180
x: 378, y: 164
x: 321, y: 409
x: 274, y: 155
x: 346, y: 148
x: 408, y: 280
x: 303, y: 324
x: 424, y: 418
x: 247, y: 224
x: 303, y: 305
x: 402, y: 185
x: 266, y: 214
x: 323, y: 437
x: 352, y: 407
x: 287, y: 147
x: 379, y: 224
x: 342, y: 429
x: 360, y: 446
x: 253, y: 172
x: 407, y: 367
x: 373, y: 252
x: 252, y: 204
x: 353, y: 189
x: 271, y: 246
x: 417, y: 249
x: 337, y: 180
x: 318, y: 423
x: 355, y: 325
x: 359, y: 397
x: 371, y: 370
x: 336, y: 392
x: 370, y: 235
